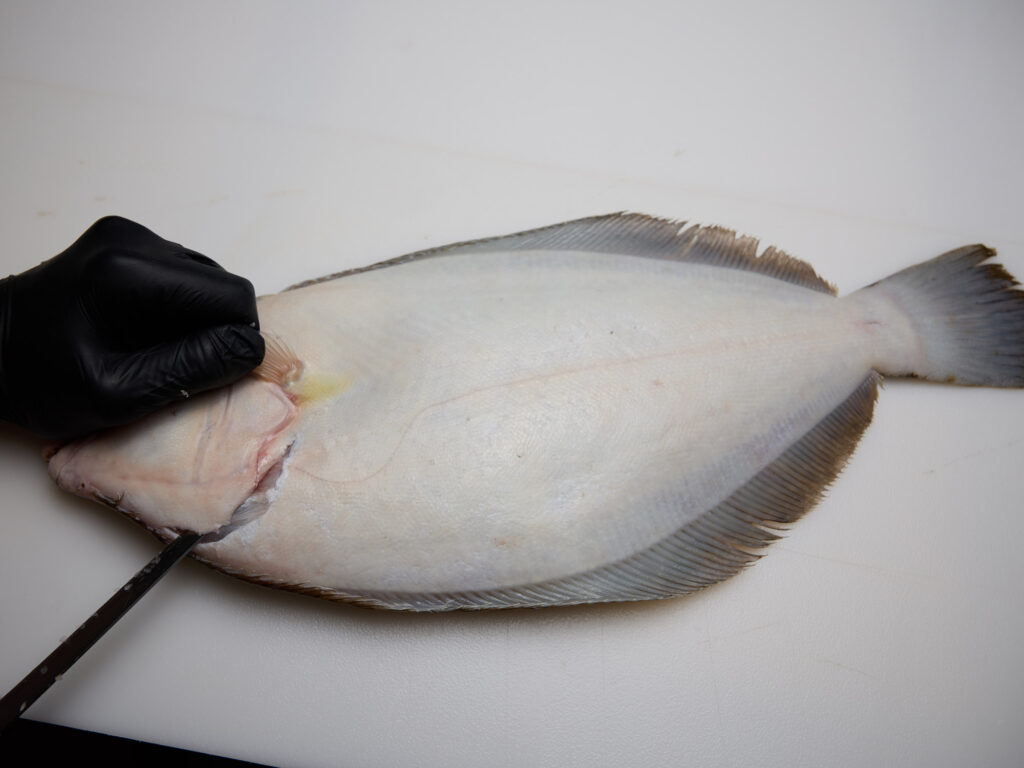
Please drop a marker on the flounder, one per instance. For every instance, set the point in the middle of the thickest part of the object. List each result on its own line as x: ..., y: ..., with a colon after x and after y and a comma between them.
x: 615, y: 408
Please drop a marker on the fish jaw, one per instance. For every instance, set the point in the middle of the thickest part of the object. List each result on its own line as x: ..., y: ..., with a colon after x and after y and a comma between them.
x: 188, y: 466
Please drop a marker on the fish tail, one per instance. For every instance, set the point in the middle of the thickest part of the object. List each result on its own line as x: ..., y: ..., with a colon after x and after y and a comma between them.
x: 954, y: 319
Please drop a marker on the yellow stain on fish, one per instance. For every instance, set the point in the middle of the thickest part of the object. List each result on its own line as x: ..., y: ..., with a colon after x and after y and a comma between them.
x: 319, y: 386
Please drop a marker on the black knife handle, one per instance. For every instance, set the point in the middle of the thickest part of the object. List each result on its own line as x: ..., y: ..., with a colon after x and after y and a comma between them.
x: 36, y: 682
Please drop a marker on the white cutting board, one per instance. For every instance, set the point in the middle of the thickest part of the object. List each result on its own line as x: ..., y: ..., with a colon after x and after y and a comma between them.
x: 292, y: 140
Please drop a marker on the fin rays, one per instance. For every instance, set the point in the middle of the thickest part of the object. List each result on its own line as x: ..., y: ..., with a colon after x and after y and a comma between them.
x: 631, y: 234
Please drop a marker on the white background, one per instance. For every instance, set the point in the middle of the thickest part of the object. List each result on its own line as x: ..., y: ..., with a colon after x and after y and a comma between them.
x: 289, y: 140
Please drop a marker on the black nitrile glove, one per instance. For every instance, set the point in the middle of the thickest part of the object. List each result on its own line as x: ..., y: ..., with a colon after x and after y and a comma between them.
x: 117, y: 325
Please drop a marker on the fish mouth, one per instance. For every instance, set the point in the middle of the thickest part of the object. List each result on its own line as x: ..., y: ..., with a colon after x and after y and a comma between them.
x: 256, y: 505
x: 61, y: 468
x: 58, y: 461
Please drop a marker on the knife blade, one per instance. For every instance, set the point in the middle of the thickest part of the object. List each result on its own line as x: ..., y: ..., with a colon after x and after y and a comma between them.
x: 38, y: 681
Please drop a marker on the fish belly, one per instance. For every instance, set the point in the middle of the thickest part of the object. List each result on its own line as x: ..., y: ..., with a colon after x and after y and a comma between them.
x: 481, y: 422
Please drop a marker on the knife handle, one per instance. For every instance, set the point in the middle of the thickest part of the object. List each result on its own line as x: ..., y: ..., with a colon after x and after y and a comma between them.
x: 36, y: 682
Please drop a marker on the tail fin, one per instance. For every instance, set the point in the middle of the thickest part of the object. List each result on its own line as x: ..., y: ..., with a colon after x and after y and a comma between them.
x: 966, y: 319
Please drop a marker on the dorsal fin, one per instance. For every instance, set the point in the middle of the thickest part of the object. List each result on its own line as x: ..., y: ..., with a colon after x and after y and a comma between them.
x: 632, y: 234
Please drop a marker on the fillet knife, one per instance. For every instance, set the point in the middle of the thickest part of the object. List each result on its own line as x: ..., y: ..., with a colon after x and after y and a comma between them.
x: 36, y: 682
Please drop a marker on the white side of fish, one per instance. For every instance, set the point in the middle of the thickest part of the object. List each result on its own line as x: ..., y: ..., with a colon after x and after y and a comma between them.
x: 617, y: 408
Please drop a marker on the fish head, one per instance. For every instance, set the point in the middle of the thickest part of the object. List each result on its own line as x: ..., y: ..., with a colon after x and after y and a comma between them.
x: 190, y: 465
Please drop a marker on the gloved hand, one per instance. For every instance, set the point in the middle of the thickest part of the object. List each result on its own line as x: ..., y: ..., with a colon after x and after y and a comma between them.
x: 117, y: 325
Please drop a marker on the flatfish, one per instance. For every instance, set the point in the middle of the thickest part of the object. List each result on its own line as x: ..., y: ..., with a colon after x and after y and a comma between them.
x: 616, y: 408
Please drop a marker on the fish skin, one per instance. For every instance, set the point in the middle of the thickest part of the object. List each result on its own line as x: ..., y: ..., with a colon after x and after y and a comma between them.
x: 617, y: 408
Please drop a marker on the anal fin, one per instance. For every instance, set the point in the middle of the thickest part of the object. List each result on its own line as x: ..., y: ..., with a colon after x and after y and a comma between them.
x: 713, y: 547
